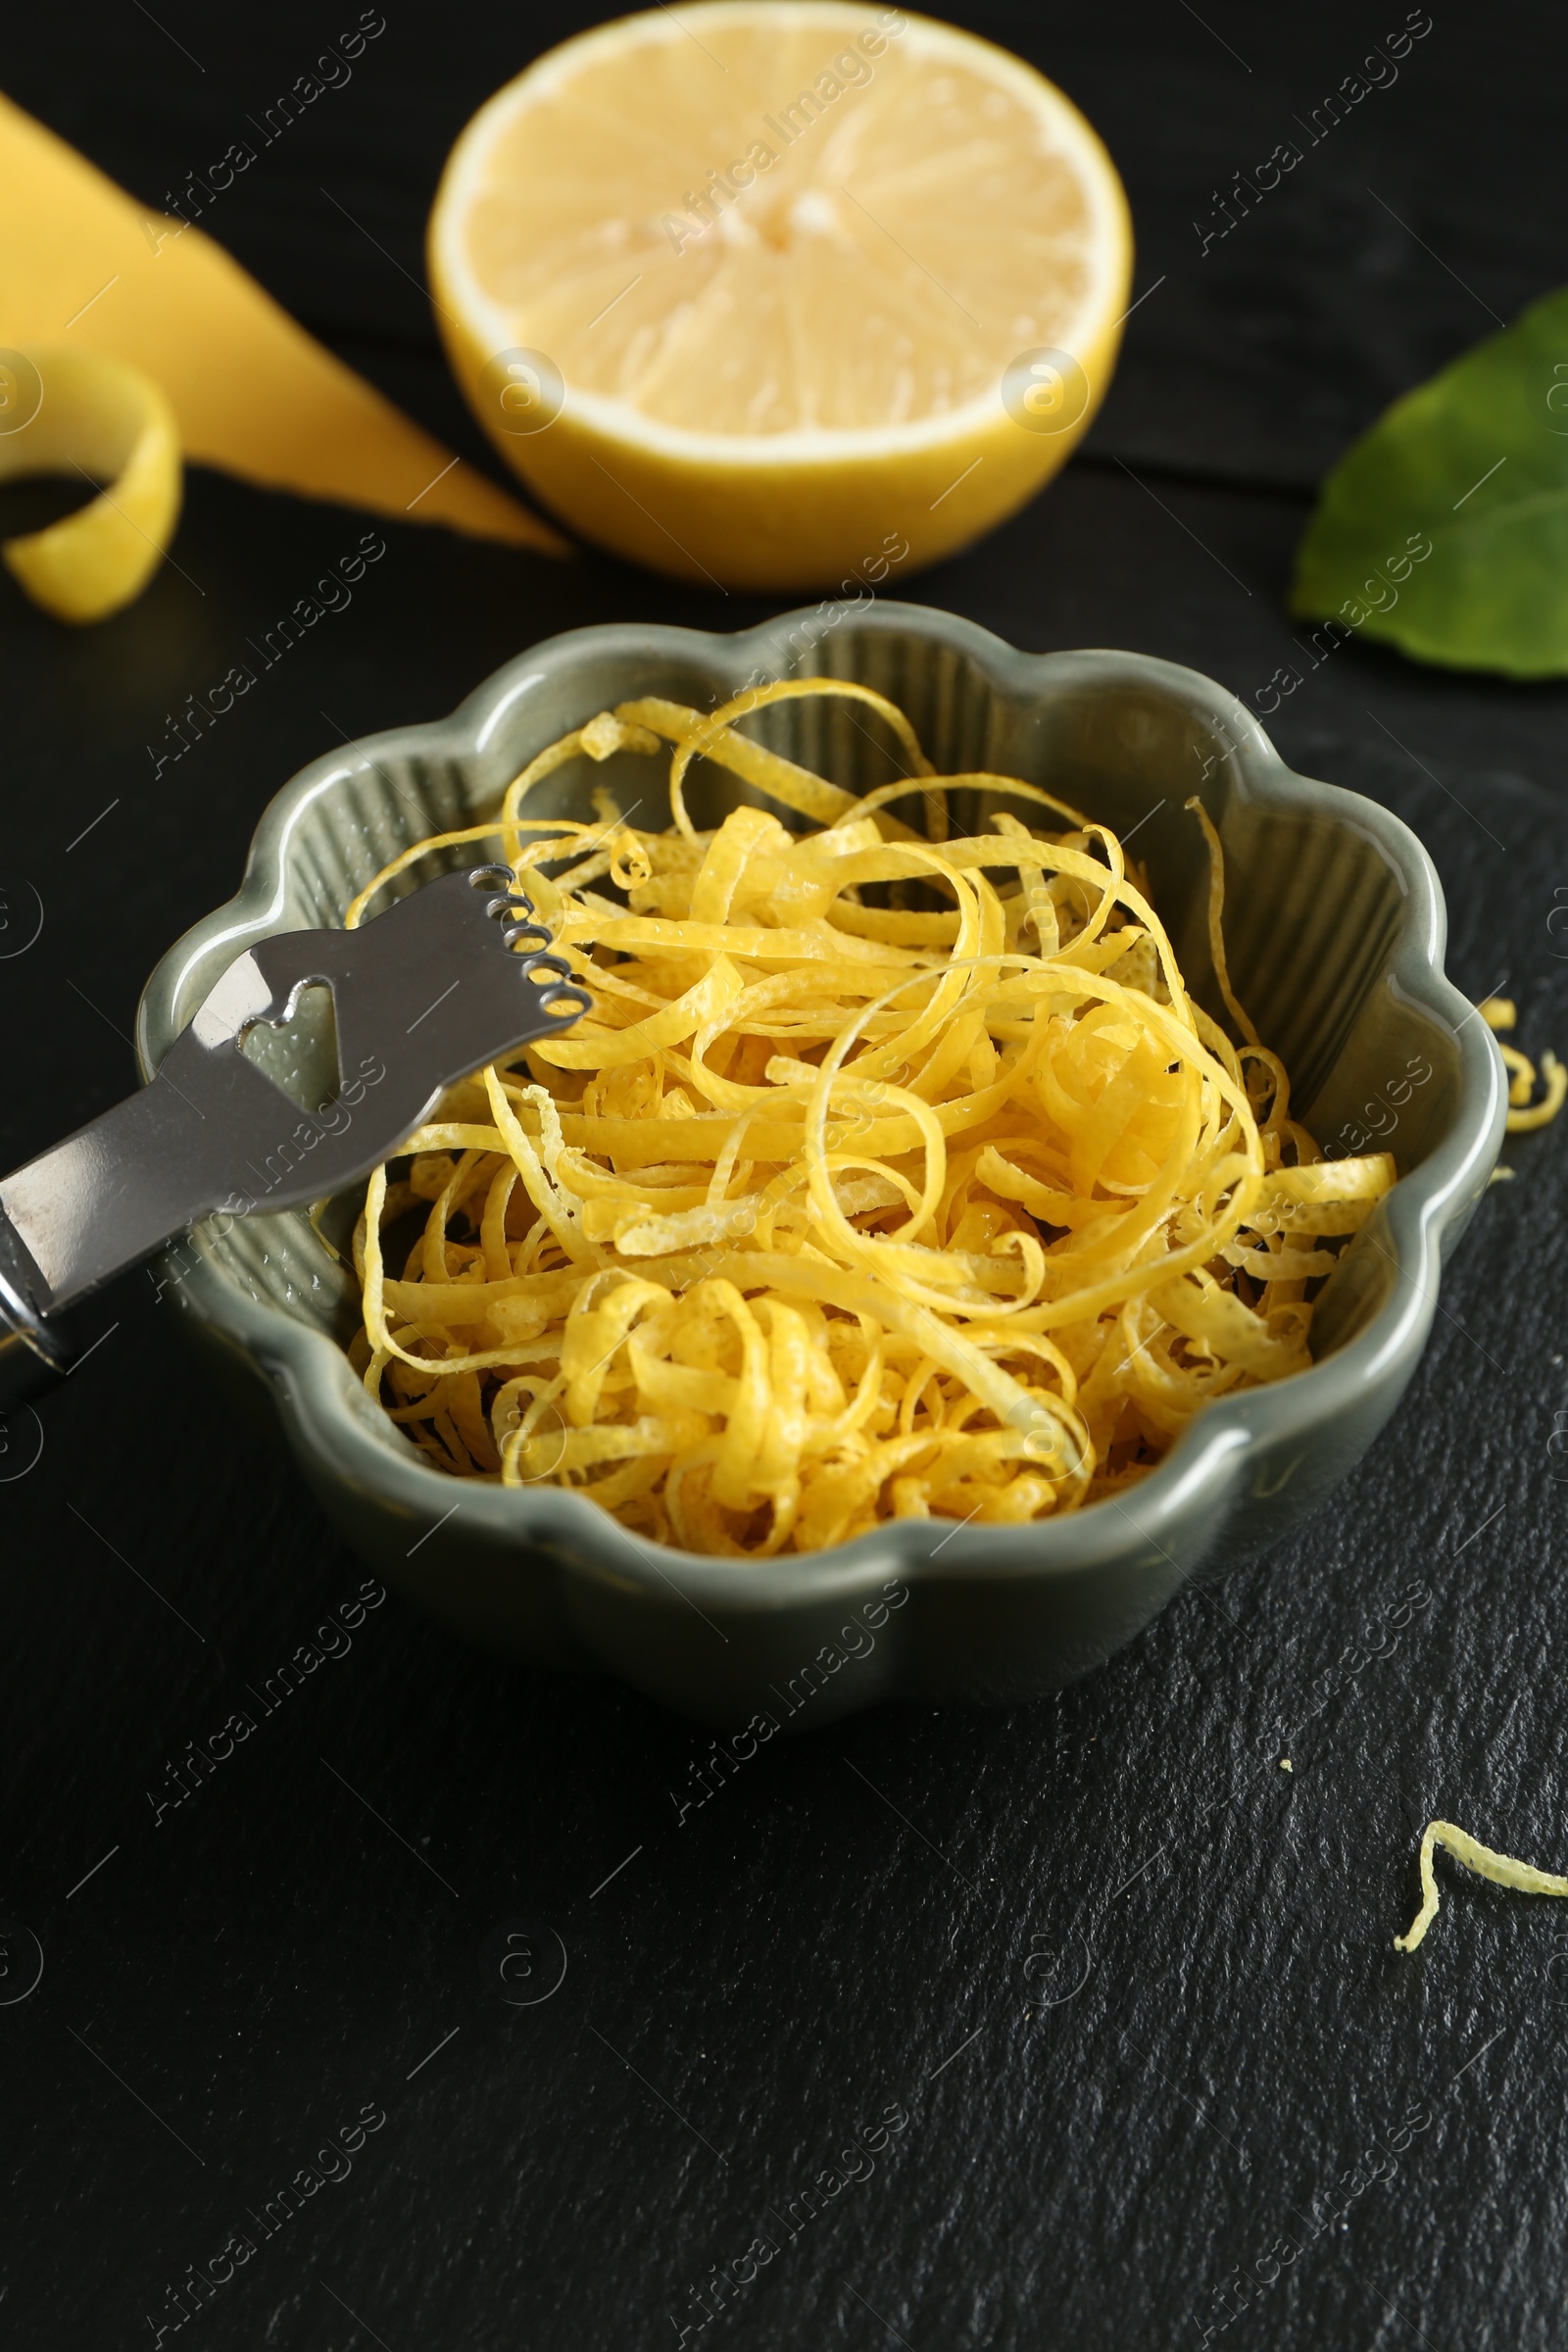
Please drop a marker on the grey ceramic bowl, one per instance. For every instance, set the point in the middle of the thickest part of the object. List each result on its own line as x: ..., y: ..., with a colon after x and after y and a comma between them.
x: 1336, y: 928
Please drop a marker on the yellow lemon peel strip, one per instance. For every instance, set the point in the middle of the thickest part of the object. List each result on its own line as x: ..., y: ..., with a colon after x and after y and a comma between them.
x: 97, y: 420
x: 1501, y: 1869
x: 1216, y: 910
x: 1523, y: 1116
x: 834, y: 1211
x: 1527, y: 1116
x: 86, y: 264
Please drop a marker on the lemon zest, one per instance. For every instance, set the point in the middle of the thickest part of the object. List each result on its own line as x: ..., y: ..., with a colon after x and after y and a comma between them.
x: 1523, y: 1119
x: 831, y: 1211
x: 1501, y: 1869
x: 1216, y: 909
x: 1525, y: 1115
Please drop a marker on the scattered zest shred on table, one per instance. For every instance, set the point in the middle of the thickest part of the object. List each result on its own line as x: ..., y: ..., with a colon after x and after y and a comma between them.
x: 1501, y: 1869
x: 1523, y: 1116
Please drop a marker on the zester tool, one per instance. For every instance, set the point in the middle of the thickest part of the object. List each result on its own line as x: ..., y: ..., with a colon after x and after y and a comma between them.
x: 450, y: 977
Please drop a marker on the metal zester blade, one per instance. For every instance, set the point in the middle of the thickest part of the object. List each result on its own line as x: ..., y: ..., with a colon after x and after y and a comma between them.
x: 449, y: 978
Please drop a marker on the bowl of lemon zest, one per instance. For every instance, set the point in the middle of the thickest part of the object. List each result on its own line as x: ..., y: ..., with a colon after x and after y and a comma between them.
x: 893, y: 1031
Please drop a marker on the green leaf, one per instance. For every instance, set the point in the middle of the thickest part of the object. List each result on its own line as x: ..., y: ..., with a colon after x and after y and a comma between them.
x: 1473, y: 466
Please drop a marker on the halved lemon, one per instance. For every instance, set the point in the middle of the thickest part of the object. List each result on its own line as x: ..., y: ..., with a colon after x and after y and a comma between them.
x: 777, y: 293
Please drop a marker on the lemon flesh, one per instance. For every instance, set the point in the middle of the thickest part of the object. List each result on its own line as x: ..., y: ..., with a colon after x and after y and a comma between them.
x: 784, y: 290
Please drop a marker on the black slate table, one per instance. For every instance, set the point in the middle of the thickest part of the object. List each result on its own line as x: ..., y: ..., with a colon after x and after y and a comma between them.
x: 1073, y: 2024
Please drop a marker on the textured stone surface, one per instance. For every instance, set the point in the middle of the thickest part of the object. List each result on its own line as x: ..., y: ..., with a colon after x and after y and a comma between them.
x: 1129, y: 1983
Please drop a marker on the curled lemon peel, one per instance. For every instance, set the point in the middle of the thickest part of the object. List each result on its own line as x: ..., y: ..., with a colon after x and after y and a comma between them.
x: 89, y: 418
x: 888, y: 1176
x: 1501, y: 1869
x: 1525, y: 1115
x: 1216, y: 910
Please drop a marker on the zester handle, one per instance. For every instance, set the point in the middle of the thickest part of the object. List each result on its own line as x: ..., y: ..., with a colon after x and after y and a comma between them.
x: 36, y: 1349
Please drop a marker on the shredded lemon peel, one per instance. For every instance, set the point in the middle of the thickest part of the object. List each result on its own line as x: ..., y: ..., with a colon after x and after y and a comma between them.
x: 889, y: 1175
x: 1524, y: 1115
x: 1501, y: 1869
